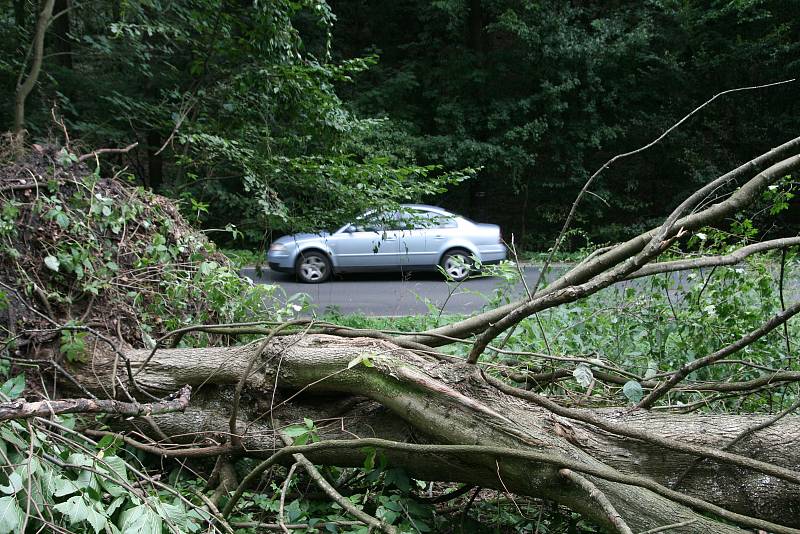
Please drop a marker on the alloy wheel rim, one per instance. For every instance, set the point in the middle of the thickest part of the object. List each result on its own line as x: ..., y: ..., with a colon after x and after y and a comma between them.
x: 313, y: 268
x: 456, y: 266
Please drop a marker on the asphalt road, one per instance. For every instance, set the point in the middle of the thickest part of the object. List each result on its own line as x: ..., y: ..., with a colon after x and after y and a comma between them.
x: 398, y: 293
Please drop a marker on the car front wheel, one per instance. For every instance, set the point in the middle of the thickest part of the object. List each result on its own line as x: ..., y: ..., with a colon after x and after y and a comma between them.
x: 313, y: 267
x: 456, y: 264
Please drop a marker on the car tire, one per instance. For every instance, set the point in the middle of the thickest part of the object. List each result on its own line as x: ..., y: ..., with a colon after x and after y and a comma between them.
x: 313, y: 267
x: 457, y: 264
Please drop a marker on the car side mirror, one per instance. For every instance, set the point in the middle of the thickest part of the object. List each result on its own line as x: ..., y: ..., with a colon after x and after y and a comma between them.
x: 350, y: 229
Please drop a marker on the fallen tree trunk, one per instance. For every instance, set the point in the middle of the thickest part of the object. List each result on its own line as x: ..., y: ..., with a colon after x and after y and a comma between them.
x: 444, y: 403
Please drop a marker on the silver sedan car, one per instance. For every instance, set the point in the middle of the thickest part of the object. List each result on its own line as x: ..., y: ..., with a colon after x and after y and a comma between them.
x: 415, y: 238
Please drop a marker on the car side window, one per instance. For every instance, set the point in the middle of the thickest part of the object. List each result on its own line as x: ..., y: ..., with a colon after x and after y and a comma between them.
x: 422, y: 220
x: 366, y: 225
x: 375, y: 222
x: 442, y: 221
x: 430, y: 220
x: 404, y: 220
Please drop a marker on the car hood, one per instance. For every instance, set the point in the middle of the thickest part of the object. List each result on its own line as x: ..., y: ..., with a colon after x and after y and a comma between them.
x: 296, y: 238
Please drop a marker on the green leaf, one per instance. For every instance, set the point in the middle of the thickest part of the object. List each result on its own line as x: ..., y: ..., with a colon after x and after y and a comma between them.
x: 399, y: 479
x: 583, y: 374
x: 652, y: 369
x: 61, y: 219
x: 177, y: 514
x: 64, y: 487
x: 293, y: 511
x: 139, y: 520
x: 118, y: 466
x: 14, y: 484
x: 10, y: 515
x: 116, y: 503
x: 13, y: 387
x: 96, y: 517
x: 52, y: 263
x: 633, y: 390
x: 106, y: 442
x: 369, y: 458
x: 362, y: 359
x: 295, y: 431
x: 48, y: 481
x: 75, y: 509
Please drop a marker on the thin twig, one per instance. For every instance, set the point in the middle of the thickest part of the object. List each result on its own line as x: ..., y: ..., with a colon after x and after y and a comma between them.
x: 673, y: 526
x: 108, y: 151
x: 284, y: 490
x: 331, y: 492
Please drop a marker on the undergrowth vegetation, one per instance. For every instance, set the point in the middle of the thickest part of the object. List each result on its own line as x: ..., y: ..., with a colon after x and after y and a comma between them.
x: 116, y: 259
x: 641, y: 328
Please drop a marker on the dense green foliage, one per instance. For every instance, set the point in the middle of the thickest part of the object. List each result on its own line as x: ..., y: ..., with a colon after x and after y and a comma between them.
x: 540, y: 94
x: 233, y: 107
x: 282, y: 116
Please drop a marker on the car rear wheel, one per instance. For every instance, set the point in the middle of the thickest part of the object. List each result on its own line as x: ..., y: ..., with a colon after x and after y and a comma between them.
x: 313, y: 267
x: 457, y: 264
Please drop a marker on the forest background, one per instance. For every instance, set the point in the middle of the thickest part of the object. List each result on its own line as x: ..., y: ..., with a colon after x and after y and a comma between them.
x: 496, y: 109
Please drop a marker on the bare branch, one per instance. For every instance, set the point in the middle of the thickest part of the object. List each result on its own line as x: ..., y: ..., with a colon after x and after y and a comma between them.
x: 23, y: 410
x: 177, y: 452
x: 108, y: 151
x: 681, y: 209
x: 494, y: 452
x: 769, y: 167
x: 732, y: 258
x: 284, y: 490
x: 25, y: 87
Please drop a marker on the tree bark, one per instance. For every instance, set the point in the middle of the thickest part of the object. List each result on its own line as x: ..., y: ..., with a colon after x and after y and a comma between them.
x: 25, y: 87
x: 450, y: 403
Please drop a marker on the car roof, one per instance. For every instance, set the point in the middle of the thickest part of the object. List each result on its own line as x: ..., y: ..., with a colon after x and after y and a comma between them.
x: 426, y: 207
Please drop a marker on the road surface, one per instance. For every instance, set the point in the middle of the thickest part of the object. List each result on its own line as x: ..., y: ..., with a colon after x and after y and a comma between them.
x: 394, y: 294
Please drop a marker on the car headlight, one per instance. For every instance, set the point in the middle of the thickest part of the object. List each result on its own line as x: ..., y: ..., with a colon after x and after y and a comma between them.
x: 277, y: 247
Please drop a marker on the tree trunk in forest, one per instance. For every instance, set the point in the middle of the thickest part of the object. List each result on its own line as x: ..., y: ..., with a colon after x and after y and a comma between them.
x: 25, y: 84
x: 413, y: 397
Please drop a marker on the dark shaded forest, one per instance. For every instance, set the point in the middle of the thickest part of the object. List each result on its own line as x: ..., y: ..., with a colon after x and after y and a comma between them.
x: 541, y: 94
x: 273, y: 114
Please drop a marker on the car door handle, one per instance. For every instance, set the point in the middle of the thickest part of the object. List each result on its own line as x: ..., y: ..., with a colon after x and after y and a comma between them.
x: 438, y: 237
x: 389, y: 238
